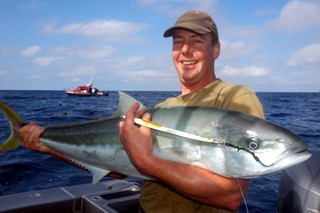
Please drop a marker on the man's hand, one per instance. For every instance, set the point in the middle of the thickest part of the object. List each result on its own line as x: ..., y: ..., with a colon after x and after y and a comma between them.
x: 30, y: 135
x: 137, y: 141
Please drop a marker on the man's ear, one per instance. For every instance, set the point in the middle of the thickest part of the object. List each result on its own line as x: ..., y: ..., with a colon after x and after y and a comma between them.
x: 216, y: 50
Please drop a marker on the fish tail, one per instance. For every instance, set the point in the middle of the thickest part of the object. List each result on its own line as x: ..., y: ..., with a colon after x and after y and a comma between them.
x: 15, y: 121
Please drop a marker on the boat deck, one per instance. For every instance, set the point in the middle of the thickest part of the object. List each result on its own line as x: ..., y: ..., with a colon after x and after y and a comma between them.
x: 108, y: 196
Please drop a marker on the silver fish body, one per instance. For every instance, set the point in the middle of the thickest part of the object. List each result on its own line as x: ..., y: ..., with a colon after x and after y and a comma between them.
x: 244, y: 146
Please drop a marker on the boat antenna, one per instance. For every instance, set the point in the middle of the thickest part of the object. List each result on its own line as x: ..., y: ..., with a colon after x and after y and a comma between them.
x: 91, y: 82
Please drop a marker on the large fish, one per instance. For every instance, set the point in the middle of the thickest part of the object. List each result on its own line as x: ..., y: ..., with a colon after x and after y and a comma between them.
x: 242, y: 146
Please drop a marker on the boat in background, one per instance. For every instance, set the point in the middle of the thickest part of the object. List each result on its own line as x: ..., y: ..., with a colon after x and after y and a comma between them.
x: 86, y: 90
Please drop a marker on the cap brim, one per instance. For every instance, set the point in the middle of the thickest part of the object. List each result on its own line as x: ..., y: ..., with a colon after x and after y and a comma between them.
x: 190, y: 27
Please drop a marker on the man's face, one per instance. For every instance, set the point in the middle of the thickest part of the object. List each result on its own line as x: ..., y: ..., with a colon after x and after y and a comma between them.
x: 193, y: 56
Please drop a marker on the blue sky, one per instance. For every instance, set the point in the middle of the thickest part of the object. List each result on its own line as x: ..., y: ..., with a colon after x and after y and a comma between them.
x: 51, y: 45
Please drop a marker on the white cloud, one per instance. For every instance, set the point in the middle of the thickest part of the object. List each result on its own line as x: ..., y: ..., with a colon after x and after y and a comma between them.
x: 177, y: 7
x: 45, y: 61
x: 137, y: 69
x: 143, y: 74
x: 298, y: 15
x: 84, y: 70
x: 106, y: 28
x: 88, y: 53
x: 31, y: 5
x: 3, y: 72
x: 234, y: 50
x: 34, y: 76
x: 31, y: 51
x: 307, y: 55
x: 80, y: 70
x: 242, y: 32
x: 252, y: 71
x: 95, y: 53
x: 59, y: 50
x: 124, y: 63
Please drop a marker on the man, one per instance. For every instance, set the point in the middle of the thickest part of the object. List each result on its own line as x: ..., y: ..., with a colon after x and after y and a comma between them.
x: 185, y: 188
x: 180, y: 187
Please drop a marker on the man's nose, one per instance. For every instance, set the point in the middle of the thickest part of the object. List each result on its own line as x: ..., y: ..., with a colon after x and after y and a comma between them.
x: 186, y: 49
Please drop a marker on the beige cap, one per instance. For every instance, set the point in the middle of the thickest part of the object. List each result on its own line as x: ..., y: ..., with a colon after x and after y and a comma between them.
x: 195, y: 21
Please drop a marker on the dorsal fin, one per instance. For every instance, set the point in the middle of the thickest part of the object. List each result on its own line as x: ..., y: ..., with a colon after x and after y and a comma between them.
x: 125, y: 103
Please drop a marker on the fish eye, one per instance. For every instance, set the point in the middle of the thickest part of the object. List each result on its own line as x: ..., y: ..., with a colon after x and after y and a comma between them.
x: 252, y: 143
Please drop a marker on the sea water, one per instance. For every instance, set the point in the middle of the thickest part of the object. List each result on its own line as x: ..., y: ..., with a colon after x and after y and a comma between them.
x: 24, y: 170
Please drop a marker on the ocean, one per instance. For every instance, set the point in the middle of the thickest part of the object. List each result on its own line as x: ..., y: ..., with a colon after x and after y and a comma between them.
x: 23, y: 170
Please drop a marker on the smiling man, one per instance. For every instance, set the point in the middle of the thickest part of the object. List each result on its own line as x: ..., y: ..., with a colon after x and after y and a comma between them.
x: 180, y: 187
x: 194, y: 56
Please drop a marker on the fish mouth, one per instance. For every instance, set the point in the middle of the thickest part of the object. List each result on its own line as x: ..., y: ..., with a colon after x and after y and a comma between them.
x: 291, y: 160
x: 284, y: 163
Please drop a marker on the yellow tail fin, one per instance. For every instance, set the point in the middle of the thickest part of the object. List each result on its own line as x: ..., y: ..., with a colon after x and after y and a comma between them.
x: 16, y: 122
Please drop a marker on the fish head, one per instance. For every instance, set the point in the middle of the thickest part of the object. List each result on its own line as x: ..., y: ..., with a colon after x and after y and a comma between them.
x: 264, y: 148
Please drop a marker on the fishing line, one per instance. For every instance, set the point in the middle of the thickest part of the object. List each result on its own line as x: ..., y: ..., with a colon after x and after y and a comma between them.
x: 241, y: 192
x: 243, y: 197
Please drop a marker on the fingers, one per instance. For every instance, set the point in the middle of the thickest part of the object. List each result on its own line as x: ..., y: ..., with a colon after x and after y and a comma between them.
x: 146, y: 116
x: 128, y: 122
x: 146, y: 130
x: 30, y: 134
x: 131, y: 114
x: 140, y: 113
x: 129, y: 119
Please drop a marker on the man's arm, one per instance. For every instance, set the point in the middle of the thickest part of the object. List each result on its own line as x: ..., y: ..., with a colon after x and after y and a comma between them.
x: 196, y: 183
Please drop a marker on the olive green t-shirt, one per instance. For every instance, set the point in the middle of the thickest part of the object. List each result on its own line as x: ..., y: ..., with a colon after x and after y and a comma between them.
x: 157, y: 198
